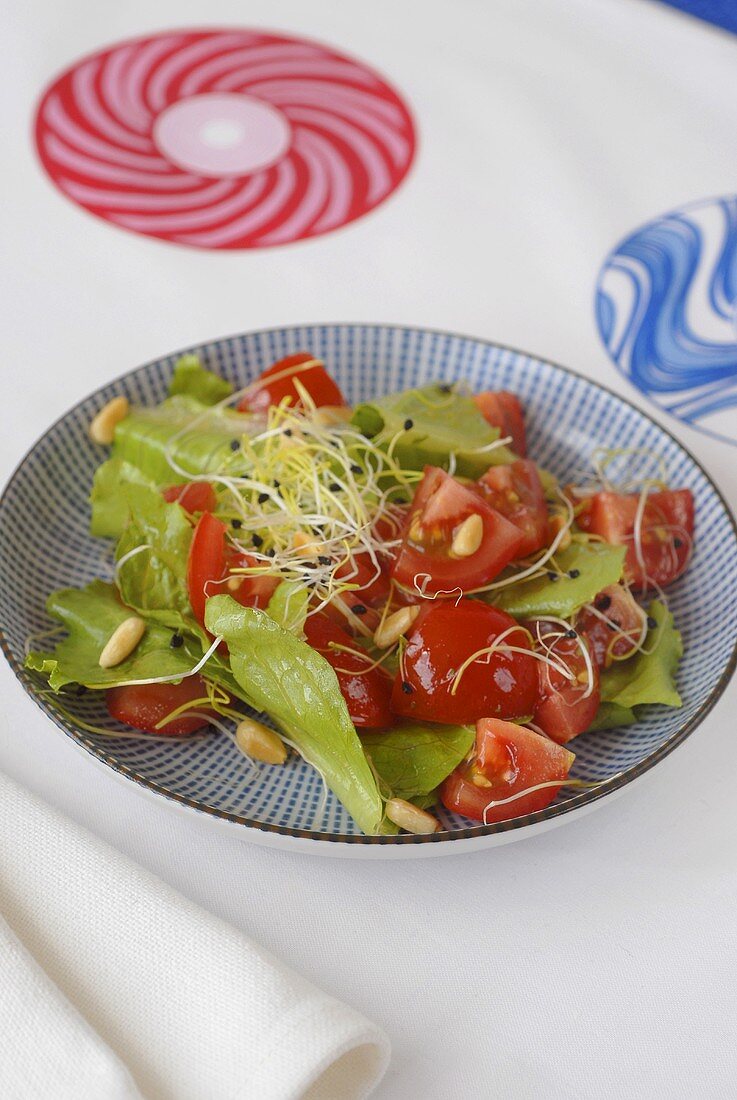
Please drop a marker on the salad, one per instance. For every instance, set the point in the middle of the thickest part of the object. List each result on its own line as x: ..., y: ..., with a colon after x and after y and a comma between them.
x: 395, y: 592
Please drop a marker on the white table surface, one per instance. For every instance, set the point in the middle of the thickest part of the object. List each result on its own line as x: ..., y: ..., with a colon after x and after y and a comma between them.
x: 598, y: 959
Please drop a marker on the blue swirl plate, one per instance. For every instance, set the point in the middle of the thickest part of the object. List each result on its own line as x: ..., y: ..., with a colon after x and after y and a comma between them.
x: 666, y: 304
x: 568, y: 418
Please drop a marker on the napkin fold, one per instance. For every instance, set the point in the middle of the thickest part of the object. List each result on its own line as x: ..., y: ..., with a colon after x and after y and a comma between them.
x: 115, y: 986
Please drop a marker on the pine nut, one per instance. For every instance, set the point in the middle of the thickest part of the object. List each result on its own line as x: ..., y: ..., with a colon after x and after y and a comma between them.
x: 303, y: 542
x: 233, y: 583
x: 480, y: 780
x: 397, y: 624
x: 411, y: 818
x: 257, y: 740
x: 556, y: 523
x: 329, y: 416
x: 122, y: 642
x: 102, y: 428
x: 467, y: 538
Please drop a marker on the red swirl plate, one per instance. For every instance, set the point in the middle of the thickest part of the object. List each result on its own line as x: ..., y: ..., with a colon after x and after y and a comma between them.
x: 224, y: 138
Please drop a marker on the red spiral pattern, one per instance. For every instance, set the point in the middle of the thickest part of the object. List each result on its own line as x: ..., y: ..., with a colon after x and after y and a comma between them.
x: 352, y: 138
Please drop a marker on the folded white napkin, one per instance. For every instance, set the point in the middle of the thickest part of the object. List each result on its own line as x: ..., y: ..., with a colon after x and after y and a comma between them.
x: 114, y: 986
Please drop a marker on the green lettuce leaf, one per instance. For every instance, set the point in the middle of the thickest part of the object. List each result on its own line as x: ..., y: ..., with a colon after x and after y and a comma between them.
x: 292, y: 683
x: 193, y: 380
x: 198, y: 439
x: 610, y: 716
x: 90, y: 616
x: 648, y: 677
x: 288, y: 606
x: 154, y: 581
x: 594, y: 564
x: 414, y: 759
x: 442, y: 424
x: 110, y: 509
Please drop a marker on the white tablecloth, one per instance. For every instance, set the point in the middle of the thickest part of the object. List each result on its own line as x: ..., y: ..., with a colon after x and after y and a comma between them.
x: 598, y: 959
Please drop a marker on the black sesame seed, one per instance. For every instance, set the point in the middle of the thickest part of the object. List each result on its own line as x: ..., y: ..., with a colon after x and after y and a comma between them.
x: 235, y: 444
x: 651, y: 623
x: 176, y: 640
x: 323, y: 559
x: 288, y: 432
x: 603, y: 603
x: 407, y: 688
x: 571, y: 633
x: 408, y: 424
x: 271, y: 553
x: 678, y: 543
x: 445, y: 387
x: 276, y: 483
x: 236, y: 523
x: 334, y: 487
x: 356, y: 469
x: 263, y: 497
x: 573, y: 573
x: 359, y: 609
x: 552, y: 576
x: 257, y: 540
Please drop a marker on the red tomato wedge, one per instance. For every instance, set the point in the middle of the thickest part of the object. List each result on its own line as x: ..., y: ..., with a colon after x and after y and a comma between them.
x: 334, y: 610
x: 581, y: 507
x: 255, y: 589
x: 666, y: 532
x: 389, y: 528
x: 209, y: 565
x: 509, y: 759
x: 516, y: 492
x: 443, y: 637
x: 196, y: 496
x: 277, y: 382
x: 425, y: 561
x: 366, y: 691
x: 503, y: 410
x: 612, y: 626
x: 143, y: 705
x: 565, y: 707
x: 372, y: 581
x: 206, y: 562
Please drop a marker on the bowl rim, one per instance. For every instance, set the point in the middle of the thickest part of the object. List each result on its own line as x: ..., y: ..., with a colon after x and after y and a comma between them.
x: 470, y: 832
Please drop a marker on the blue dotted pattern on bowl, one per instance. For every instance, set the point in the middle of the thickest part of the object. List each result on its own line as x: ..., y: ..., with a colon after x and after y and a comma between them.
x: 44, y: 544
x: 666, y: 310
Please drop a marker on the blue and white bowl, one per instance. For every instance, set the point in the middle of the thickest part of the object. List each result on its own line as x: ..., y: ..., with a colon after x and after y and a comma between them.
x: 568, y: 418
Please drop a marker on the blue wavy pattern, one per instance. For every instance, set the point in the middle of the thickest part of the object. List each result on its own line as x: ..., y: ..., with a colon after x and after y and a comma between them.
x: 666, y: 307
x: 720, y: 12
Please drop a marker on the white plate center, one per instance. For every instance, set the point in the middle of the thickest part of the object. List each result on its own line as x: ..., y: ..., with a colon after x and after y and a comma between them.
x: 222, y: 134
